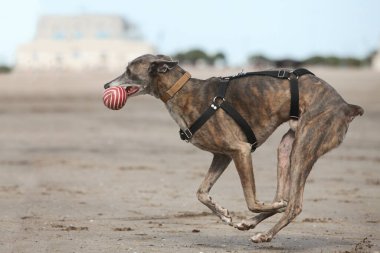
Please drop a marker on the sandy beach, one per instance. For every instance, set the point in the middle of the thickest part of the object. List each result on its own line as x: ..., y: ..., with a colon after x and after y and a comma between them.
x: 78, y: 177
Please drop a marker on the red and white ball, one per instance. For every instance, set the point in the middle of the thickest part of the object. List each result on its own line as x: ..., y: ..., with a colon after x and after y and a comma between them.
x: 115, y: 97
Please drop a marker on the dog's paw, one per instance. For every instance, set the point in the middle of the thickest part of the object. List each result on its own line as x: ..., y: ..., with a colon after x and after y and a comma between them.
x: 280, y: 204
x: 284, y: 204
x: 223, y: 214
x: 245, y: 225
x: 259, y: 237
x: 227, y: 220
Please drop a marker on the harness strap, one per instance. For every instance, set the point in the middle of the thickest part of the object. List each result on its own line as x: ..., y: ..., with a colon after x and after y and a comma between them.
x: 292, y: 76
x: 245, y: 127
x: 294, y: 99
x: 188, y: 133
x: 219, y: 102
x: 223, y: 85
x: 282, y: 74
x: 294, y: 92
x: 301, y: 71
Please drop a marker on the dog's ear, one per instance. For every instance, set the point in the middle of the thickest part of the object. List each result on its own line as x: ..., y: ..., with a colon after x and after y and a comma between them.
x: 164, y: 57
x: 161, y: 66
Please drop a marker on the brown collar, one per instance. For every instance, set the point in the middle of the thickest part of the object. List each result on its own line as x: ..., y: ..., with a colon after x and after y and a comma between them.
x: 176, y: 87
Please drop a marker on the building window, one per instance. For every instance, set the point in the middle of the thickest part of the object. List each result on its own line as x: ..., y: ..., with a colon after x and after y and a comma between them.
x: 78, y: 35
x: 58, y: 35
x: 76, y: 55
x: 103, y: 57
x: 35, y: 56
x: 102, y: 35
x: 58, y: 59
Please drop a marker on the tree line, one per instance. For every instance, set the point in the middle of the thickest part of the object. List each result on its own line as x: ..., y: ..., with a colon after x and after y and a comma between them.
x: 332, y: 61
x: 198, y: 56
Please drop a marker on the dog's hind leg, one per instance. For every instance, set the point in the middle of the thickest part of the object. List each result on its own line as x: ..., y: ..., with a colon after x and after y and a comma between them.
x: 283, y: 166
x: 314, y: 137
x: 283, y: 174
x: 243, y: 162
x: 218, y: 165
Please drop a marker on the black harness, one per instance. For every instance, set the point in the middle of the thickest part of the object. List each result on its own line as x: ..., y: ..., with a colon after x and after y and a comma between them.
x: 219, y: 101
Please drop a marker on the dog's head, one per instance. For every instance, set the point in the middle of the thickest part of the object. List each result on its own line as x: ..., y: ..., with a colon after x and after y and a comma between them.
x: 140, y: 76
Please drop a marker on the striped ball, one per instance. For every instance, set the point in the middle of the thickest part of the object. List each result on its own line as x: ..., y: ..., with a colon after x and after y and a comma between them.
x: 115, y: 97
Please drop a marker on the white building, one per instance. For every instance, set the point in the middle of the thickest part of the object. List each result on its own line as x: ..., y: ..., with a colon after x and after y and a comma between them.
x: 85, y: 42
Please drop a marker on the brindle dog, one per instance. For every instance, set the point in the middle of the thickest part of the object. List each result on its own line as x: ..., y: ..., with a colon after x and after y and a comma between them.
x: 264, y: 102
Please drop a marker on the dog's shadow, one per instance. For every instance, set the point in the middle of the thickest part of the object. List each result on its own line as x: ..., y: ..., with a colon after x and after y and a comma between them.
x: 218, y: 237
x: 281, y: 243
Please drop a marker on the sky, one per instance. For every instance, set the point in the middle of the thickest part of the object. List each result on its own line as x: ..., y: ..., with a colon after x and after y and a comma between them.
x: 239, y: 28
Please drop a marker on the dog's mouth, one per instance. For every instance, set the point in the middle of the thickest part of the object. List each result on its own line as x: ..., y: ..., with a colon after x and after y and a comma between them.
x: 131, y: 90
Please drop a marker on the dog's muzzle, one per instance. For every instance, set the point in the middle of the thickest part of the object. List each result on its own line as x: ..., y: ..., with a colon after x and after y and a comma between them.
x: 118, y: 81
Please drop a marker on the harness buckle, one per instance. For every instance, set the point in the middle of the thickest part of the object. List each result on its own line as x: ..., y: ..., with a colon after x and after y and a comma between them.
x: 217, y: 104
x: 281, y: 73
x: 292, y: 74
x: 253, y: 146
x: 188, y: 134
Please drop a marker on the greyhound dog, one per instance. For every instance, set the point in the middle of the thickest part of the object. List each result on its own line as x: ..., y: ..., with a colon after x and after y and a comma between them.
x: 264, y: 102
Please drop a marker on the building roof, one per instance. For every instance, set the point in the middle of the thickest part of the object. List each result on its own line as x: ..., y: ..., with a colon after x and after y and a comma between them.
x: 78, y: 27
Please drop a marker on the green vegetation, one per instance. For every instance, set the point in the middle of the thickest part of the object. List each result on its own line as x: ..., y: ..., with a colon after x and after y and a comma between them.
x: 199, y: 56
x: 332, y: 61
x: 196, y: 56
x: 5, y: 69
x: 335, y: 61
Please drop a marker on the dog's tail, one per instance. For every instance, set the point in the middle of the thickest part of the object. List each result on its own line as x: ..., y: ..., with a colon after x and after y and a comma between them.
x: 353, y: 111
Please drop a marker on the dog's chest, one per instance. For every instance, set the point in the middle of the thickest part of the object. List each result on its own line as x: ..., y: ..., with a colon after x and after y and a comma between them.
x: 177, y: 115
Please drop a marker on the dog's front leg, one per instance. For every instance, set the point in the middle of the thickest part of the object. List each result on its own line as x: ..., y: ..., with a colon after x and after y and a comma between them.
x: 243, y: 162
x: 283, y: 173
x: 218, y: 165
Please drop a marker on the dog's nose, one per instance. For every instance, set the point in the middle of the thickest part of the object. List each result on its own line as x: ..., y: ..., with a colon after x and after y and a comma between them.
x: 114, y: 82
